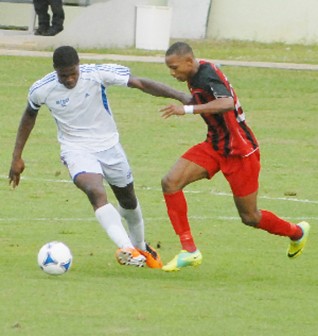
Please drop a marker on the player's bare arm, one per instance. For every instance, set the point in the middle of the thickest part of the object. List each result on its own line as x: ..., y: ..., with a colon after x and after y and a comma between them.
x: 26, y: 125
x: 158, y: 89
x: 216, y: 106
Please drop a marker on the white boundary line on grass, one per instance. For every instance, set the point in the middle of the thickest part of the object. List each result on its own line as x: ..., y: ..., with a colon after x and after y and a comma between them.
x: 287, y: 199
x: 90, y: 219
x: 148, y: 219
x: 93, y: 219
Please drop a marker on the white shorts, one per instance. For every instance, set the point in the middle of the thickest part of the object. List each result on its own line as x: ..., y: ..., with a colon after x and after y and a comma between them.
x: 111, y: 163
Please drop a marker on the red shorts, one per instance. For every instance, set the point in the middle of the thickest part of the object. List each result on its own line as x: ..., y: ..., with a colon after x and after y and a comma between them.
x: 241, y: 172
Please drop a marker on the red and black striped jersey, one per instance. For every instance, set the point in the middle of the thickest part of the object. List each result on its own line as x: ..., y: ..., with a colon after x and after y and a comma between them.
x: 227, y: 132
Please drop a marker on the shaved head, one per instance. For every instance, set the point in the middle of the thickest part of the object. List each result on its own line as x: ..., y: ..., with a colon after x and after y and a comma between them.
x: 179, y: 49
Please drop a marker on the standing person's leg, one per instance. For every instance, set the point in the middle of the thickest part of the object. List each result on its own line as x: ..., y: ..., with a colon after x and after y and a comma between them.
x: 181, y: 174
x: 109, y: 218
x: 268, y: 221
x: 58, y: 17
x: 129, y: 208
x: 87, y: 175
x: 41, y: 8
x: 265, y: 220
x: 244, y: 184
x: 117, y: 172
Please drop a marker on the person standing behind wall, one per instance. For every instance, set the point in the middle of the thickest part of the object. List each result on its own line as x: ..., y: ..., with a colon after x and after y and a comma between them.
x: 41, y: 8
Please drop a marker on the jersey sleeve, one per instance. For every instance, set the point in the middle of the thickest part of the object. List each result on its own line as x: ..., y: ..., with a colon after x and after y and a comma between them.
x: 40, y: 89
x: 217, y: 87
x: 211, y: 80
x: 113, y: 74
x: 34, y: 99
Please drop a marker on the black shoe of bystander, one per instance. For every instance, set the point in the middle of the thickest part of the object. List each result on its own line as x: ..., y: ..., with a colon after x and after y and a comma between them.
x: 52, y: 31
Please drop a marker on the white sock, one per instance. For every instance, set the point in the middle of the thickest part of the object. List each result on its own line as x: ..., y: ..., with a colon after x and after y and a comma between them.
x: 135, y: 224
x: 110, y: 220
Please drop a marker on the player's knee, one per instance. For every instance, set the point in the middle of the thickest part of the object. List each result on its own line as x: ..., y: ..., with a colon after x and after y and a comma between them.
x: 95, y: 194
x: 93, y: 191
x: 164, y: 183
x: 129, y: 203
x: 168, y: 184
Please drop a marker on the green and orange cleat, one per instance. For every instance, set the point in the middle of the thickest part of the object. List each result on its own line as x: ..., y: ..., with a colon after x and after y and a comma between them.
x: 296, y: 247
x: 183, y: 259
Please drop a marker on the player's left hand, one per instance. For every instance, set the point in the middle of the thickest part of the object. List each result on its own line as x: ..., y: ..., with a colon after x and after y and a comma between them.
x: 16, y: 170
x: 170, y: 110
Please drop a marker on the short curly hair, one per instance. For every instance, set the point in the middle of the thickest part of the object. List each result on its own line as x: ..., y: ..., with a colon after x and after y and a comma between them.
x: 65, y: 56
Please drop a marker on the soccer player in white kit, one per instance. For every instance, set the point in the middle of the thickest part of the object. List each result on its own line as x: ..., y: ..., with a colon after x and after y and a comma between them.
x: 76, y: 97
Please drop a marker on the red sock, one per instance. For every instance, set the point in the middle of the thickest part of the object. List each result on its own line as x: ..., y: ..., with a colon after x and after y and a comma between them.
x: 178, y: 213
x: 275, y: 225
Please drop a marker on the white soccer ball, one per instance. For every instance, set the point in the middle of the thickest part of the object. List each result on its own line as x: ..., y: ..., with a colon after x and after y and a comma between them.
x: 55, y: 258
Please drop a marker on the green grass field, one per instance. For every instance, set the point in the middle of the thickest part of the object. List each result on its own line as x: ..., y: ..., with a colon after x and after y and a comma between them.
x: 246, y: 285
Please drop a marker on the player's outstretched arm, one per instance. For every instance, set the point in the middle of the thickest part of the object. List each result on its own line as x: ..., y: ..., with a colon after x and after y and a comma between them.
x: 17, y: 165
x: 158, y: 89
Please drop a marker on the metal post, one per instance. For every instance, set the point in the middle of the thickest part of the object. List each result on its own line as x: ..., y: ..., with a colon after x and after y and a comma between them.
x: 32, y: 20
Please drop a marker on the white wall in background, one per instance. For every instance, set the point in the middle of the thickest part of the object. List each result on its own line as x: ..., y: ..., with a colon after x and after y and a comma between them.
x: 189, y: 18
x: 290, y: 21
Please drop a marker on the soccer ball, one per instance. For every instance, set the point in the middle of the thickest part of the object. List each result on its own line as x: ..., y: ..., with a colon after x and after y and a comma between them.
x: 55, y: 258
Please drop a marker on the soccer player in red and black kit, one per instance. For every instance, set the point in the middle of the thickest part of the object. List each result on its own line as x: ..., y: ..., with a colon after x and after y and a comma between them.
x: 230, y: 147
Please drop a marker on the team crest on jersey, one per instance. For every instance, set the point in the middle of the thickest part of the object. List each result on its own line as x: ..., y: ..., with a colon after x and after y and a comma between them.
x: 63, y: 102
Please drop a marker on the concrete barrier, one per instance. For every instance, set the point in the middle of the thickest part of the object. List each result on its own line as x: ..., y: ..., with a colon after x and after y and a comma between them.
x: 288, y: 21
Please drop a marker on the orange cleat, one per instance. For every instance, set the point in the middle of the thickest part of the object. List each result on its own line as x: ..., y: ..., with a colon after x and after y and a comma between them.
x: 153, y: 259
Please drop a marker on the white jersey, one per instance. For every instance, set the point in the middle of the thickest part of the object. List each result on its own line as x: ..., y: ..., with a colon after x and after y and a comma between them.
x: 83, y: 115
